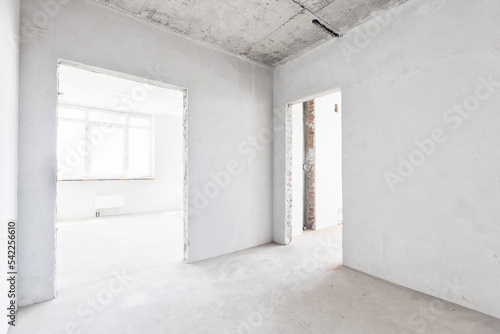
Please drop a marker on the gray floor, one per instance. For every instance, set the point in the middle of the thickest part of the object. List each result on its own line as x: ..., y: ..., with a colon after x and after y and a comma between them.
x: 299, y: 288
x: 89, y: 250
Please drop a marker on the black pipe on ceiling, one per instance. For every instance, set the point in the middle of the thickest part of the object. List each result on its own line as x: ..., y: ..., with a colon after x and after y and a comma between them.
x: 325, y: 28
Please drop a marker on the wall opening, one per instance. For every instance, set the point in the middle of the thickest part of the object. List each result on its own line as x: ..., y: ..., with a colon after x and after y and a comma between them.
x: 314, y: 164
x: 122, y: 174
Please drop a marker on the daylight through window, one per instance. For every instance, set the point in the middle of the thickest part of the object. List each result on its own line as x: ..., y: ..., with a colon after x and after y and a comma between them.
x: 104, y: 145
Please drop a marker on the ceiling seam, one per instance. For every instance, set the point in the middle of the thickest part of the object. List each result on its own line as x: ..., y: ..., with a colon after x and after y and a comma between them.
x: 147, y: 4
x: 254, y: 44
x: 144, y: 5
x: 319, y: 10
x: 156, y: 9
x: 338, y: 31
x: 303, y: 7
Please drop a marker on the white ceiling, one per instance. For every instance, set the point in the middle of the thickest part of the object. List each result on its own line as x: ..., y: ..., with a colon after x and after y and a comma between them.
x: 266, y: 31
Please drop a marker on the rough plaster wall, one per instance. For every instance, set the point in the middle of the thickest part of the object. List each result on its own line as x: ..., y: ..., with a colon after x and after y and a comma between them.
x: 438, y: 231
x: 9, y: 67
x: 298, y: 177
x: 230, y: 100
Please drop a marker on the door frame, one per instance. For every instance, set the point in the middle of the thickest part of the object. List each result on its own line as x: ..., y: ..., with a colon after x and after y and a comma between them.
x: 185, y: 126
x: 289, y: 159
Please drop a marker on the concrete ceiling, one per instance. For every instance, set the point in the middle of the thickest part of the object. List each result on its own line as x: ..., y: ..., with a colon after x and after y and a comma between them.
x: 266, y: 31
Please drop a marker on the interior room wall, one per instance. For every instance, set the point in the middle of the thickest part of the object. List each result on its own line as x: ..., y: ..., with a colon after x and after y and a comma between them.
x: 75, y: 199
x: 230, y: 117
x: 297, y: 168
x: 328, y: 132
x: 420, y: 83
x: 9, y: 67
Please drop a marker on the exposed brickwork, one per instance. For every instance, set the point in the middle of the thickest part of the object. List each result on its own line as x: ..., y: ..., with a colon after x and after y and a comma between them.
x: 310, y: 172
x: 310, y: 212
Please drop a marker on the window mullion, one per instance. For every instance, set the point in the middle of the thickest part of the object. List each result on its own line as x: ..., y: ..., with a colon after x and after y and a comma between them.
x: 88, y: 145
x: 152, y: 148
x: 126, y: 148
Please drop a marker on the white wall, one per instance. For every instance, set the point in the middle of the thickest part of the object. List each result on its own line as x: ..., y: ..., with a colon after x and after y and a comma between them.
x: 438, y: 231
x: 75, y: 199
x: 230, y: 100
x: 9, y: 67
x: 298, y: 182
x: 328, y: 141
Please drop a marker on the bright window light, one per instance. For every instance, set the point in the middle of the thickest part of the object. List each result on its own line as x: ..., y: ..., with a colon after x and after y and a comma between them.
x: 104, y: 145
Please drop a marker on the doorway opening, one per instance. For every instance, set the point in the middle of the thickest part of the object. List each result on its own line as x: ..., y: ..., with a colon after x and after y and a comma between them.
x: 314, y: 164
x: 122, y: 174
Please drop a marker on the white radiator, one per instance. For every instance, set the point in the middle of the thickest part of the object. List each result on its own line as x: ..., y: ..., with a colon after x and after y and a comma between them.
x: 108, y: 202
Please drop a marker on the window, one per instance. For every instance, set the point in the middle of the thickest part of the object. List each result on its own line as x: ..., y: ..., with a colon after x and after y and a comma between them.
x: 104, y: 145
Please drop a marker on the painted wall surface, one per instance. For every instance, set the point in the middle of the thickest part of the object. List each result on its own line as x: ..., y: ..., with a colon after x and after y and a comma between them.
x: 429, y: 74
x: 230, y: 114
x: 328, y: 160
x: 297, y: 171
x: 76, y: 199
x: 9, y: 67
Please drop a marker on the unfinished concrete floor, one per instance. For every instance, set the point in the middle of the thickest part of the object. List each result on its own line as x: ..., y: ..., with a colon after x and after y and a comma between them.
x: 299, y: 288
x: 89, y: 250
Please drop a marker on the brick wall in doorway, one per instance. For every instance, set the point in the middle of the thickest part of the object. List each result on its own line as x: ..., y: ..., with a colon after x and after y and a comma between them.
x: 310, y: 161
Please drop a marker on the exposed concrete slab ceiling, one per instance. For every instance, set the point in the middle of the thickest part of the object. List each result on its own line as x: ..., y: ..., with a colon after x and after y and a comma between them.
x: 266, y: 31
